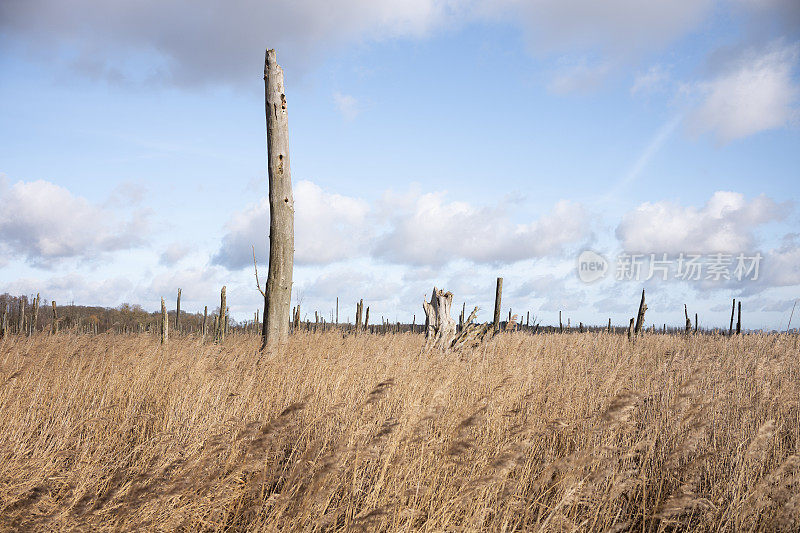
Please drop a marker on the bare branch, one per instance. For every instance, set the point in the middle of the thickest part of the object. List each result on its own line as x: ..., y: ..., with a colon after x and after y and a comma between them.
x: 255, y: 266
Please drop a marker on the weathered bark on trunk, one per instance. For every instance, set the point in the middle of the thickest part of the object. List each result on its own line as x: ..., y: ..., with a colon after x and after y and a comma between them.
x: 35, y: 322
x: 688, y: 321
x: 630, y: 329
x: 178, y: 313
x: 359, y: 312
x: 164, y: 322
x: 223, y: 317
x: 739, y: 320
x: 497, y: 300
x: 640, y: 316
x: 277, y: 301
x: 441, y: 327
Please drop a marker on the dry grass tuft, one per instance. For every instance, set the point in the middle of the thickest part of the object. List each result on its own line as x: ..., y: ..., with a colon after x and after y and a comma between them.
x: 573, y: 432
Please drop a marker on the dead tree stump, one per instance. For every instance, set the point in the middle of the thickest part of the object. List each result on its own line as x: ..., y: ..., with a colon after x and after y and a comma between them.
x: 497, y: 297
x: 441, y: 328
x: 164, y: 322
x: 640, y: 316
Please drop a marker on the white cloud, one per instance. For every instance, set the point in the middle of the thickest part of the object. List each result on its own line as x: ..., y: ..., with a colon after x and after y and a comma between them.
x: 425, y: 229
x: 347, y: 105
x: 622, y: 27
x: 724, y: 224
x: 75, y: 287
x: 757, y: 93
x: 104, y: 37
x: 781, y: 266
x: 654, y: 79
x: 328, y: 227
x: 173, y: 253
x: 44, y: 222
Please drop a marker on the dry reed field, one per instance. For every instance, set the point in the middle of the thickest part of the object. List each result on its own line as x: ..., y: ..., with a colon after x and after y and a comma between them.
x: 572, y: 432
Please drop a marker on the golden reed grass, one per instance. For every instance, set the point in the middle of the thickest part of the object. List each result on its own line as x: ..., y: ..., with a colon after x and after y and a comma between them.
x: 573, y: 432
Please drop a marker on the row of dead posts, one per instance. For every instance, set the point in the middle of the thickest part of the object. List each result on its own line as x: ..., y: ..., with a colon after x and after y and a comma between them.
x: 636, y: 326
x: 220, y: 326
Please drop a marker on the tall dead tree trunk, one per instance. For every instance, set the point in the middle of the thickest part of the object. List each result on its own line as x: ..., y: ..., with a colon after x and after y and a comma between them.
x: 21, y: 326
x: 366, y: 319
x: 164, y: 322
x: 277, y: 300
x: 205, y: 320
x: 560, y: 323
x: 54, y: 325
x: 497, y: 300
x: 733, y: 309
x: 178, y: 313
x: 739, y: 320
x: 640, y: 316
x: 441, y: 327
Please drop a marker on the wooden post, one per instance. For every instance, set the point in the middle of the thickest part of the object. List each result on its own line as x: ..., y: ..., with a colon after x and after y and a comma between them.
x: 640, y: 316
x: 178, y: 313
x: 277, y: 300
x: 205, y: 319
x: 609, y: 325
x: 560, y: 324
x: 630, y: 329
x: 35, y: 314
x: 366, y: 319
x: 414, y: 323
x: 688, y: 322
x: 497, y: 300
x: 54, y: 325
x: 696, y: 323
x: 733, y: 309
x: 527, y: 319
x: 164, y: 322
x: 223, y: 317
x: 739, y: 320
x: 337, y: 310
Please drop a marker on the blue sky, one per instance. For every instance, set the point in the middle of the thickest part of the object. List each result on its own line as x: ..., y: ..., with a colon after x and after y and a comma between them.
x: 432, y: 143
